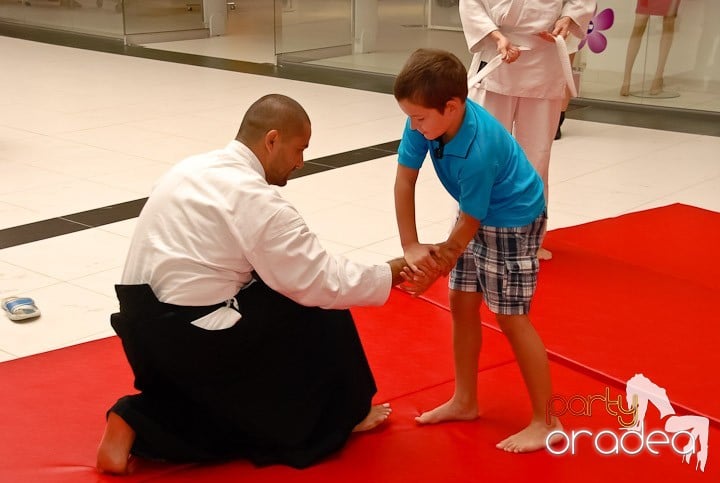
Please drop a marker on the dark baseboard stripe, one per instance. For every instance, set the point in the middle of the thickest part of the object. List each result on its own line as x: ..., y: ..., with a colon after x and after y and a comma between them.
x: 63, y: 225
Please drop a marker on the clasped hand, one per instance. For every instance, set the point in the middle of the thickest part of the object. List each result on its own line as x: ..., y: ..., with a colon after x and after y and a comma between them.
x: 426, y: 263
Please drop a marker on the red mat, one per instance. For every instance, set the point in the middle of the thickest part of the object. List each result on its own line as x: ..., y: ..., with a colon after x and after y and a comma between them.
x: 409, y: 345
x: 51, y: 423
x: 465, y: 452
x: 634, y: 294
x: 53, y: 404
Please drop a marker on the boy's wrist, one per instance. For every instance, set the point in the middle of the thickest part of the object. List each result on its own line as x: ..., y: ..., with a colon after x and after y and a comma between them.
x: 407, y: 245
x: 455, y: 247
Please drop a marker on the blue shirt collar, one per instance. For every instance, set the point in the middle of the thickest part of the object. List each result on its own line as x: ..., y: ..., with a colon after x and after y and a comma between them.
x: 460, y: 144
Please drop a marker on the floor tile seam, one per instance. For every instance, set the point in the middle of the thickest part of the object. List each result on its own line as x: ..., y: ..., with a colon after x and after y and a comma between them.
x: 452, y: 379
x: 69, y: 218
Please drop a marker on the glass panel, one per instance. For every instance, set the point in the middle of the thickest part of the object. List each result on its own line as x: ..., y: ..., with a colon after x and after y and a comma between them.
x: 406, y: 25
x: 444, y: 14
x: 658, y: 52
x: 385, y: 32
x: 156, y: 16
x: 95, y: 17
x: 304, y: 26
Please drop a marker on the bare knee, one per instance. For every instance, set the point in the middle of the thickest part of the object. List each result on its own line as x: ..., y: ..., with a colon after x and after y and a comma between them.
x: 512, y: 324
x: 465, y: 306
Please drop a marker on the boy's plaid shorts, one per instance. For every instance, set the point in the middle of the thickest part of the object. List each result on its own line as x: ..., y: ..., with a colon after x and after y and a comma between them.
x: 502, y: 264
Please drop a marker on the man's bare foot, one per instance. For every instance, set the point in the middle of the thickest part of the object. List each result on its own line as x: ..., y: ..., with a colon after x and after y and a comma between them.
x: 114, y: 450
x: 377, y: 415
x: 450, y: 411
x: 531, y: 438
x: 544, y: 254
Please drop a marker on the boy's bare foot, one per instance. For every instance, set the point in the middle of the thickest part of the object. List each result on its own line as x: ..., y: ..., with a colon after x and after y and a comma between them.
x: 377, y: 415
x: 531, y: 438
x: 114, y: 450
x: 450, y: 411
x: 544, y: 254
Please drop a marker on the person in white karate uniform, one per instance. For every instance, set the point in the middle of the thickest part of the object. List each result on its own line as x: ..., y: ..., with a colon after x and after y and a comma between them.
x: 525, y: 93
x: 234, y: 318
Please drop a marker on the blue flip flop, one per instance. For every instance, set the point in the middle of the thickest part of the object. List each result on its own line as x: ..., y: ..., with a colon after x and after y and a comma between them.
x: 20, y: 308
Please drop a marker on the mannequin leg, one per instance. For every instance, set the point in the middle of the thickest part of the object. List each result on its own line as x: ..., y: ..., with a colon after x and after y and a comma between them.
x: 633, y: 49
x: 666, y: 40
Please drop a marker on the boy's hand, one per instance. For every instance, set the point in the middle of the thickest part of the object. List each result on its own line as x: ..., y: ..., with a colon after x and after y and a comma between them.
x: 417, y: 282
x: 420, y: 259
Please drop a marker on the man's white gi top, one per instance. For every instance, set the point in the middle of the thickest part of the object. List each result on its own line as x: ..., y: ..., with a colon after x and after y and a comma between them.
x: 213, y: 219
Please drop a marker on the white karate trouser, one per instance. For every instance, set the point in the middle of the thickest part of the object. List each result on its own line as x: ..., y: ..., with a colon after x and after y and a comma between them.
x: 532, y: 121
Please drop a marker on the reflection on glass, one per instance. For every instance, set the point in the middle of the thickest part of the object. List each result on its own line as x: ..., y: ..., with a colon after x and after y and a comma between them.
x: 95, y: 17
x: 654, y: 47
x: 304, y: 25
x: 444, y: 14
x: 668, y: 11
x: 659, y: 52
x: 154, y: 16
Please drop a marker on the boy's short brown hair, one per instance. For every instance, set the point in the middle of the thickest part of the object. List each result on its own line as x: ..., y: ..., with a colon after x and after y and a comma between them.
x: 430, y: 78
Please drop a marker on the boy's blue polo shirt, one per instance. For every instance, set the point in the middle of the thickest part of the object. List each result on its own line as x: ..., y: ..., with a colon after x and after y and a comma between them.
x: 483, y: 168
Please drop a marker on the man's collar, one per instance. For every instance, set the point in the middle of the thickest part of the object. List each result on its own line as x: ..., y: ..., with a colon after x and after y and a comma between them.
x: 241, y: 151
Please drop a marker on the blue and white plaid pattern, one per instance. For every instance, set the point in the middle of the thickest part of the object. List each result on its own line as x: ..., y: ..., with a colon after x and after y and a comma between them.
x: 502, y: 264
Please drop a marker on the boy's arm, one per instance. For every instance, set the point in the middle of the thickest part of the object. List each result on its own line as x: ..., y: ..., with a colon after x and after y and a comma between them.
x: 446, y: 254
x: 405, y: 180
x: 417, y: 256
x: 464, y: 230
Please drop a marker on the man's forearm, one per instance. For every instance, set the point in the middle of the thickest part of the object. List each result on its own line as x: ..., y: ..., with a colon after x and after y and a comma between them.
x: 396, y: 267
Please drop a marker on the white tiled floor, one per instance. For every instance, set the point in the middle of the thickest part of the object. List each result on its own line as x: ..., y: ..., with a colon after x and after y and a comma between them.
x: 81, y: 130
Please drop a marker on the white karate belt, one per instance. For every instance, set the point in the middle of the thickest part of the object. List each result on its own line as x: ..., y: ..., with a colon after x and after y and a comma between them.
x: 495, y: 62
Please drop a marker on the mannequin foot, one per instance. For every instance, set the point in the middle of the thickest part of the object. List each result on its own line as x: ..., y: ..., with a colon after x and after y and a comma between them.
x: 625, y: 89
x: 657, y: 86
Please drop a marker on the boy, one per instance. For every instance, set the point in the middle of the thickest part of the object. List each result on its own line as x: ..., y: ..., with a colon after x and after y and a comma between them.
x: 491, y: 251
